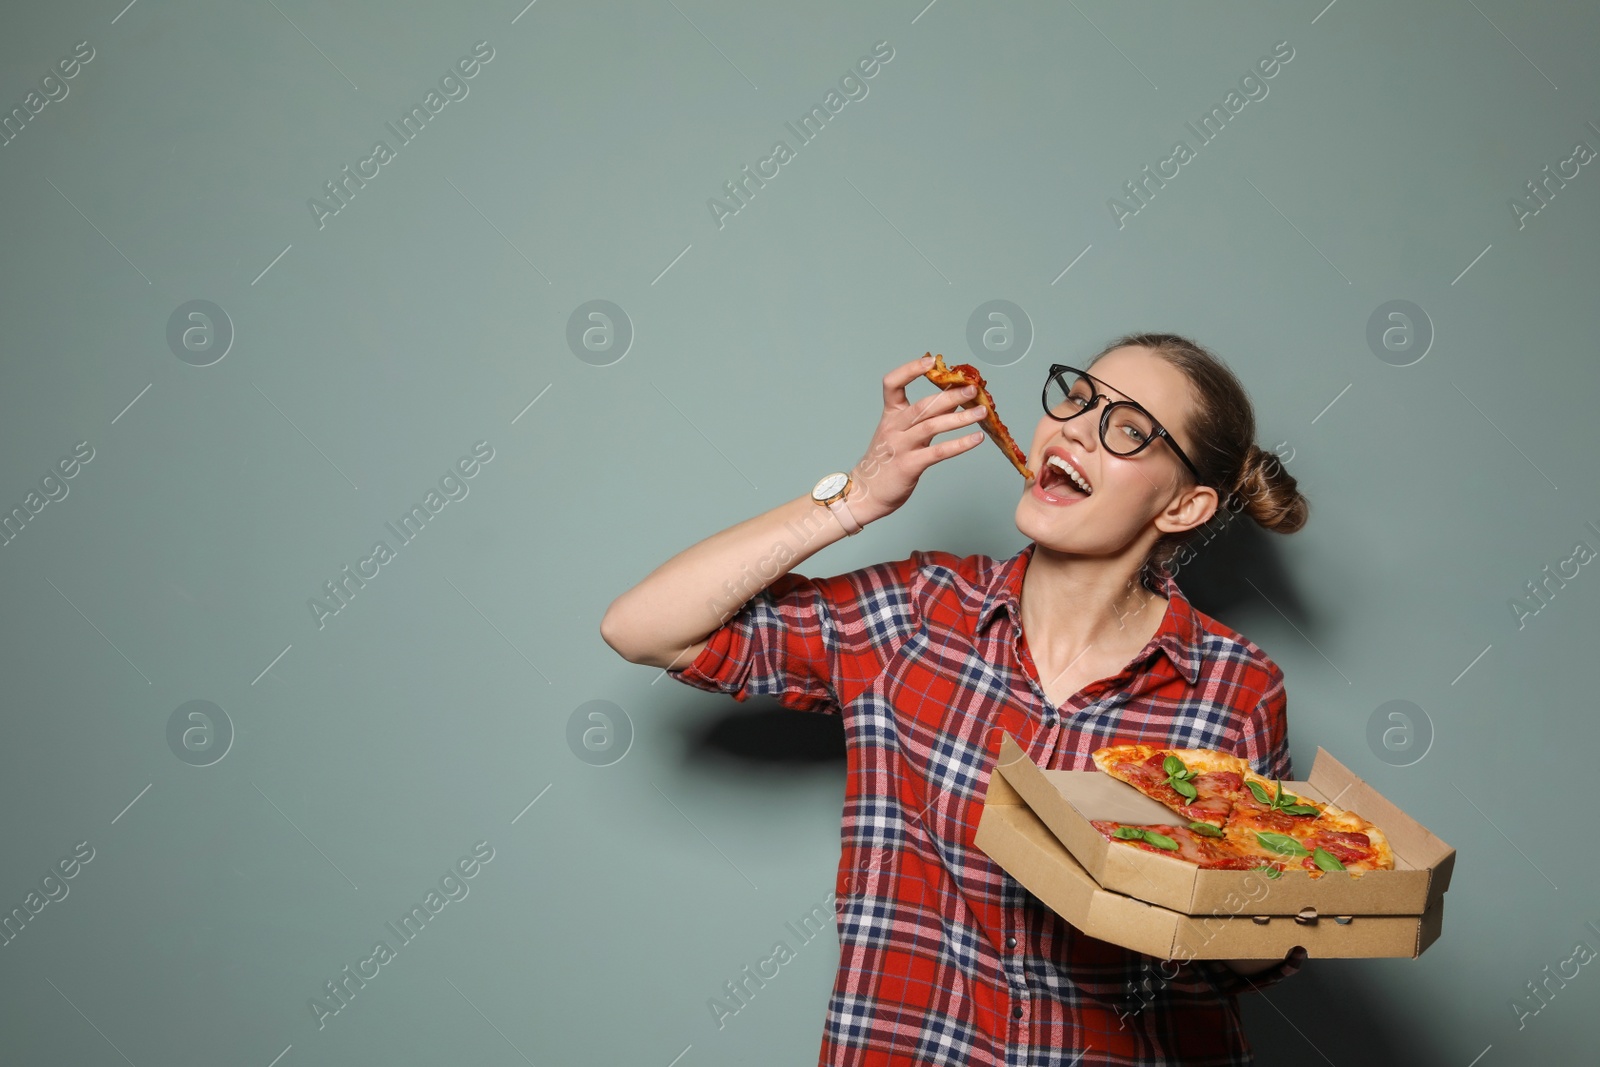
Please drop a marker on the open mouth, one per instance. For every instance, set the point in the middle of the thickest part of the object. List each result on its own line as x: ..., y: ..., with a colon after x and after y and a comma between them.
x: 1058, y: 478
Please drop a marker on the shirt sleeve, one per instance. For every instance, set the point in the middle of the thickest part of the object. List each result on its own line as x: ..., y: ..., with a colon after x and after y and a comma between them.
x: 808, y: 642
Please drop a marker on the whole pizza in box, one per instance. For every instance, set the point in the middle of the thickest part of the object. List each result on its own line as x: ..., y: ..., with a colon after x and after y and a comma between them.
x: 1231, y: 818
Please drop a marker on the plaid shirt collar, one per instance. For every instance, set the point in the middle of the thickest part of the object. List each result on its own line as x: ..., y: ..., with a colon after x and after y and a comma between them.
x: 1177, y: 636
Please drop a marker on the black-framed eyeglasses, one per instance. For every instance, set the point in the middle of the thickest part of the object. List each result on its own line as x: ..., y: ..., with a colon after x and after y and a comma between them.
x: 1126, y: 429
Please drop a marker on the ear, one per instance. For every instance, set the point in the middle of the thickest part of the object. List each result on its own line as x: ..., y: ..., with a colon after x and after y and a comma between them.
x: 1192, y: 507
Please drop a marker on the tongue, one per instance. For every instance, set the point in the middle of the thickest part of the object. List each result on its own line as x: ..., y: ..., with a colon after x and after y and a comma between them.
x: 1056, y: 481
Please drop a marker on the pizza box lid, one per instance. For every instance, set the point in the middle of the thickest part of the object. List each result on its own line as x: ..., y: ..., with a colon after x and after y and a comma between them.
x: 1013, y: 835
x: 1067, y: 800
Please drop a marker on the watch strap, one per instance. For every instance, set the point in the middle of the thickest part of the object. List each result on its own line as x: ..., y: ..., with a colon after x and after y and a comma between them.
x: 846, y: 519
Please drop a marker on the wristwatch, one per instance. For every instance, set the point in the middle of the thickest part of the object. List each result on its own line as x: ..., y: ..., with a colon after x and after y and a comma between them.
x: 830, y: 492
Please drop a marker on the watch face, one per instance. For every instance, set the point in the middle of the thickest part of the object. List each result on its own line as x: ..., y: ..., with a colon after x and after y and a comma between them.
x: 829, y: 486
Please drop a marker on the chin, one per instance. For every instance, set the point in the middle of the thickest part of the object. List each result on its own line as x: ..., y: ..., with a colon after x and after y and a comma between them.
x: 1038, y: 527
x: 1058, y: 530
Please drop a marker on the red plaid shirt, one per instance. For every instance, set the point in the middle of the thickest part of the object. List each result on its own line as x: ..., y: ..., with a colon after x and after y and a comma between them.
x: 944, y: 958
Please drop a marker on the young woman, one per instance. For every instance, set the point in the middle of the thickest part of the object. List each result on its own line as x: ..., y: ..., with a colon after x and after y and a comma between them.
x: 1081, y: 639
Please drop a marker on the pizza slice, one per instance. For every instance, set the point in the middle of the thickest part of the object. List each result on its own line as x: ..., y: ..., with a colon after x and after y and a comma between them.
x: 1304, y: 833
x: 1315, y: 851
x: 1198, y: 783
x: 966, y: 374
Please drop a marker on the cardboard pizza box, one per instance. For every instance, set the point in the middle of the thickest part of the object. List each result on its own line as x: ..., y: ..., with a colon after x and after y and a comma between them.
x: 1132, y: 894
x: 1016, y: 838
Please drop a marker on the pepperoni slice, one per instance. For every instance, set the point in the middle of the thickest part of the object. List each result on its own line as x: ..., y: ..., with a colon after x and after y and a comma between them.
x: 1345, y: 847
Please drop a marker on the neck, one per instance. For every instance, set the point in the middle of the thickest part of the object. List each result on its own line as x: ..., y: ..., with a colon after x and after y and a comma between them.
x: 1072, y: 605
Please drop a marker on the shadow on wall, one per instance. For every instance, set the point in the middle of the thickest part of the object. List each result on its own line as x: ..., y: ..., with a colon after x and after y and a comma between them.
x: 764, y: 733
x: 1290, y: 1022
x: 1218, y: 579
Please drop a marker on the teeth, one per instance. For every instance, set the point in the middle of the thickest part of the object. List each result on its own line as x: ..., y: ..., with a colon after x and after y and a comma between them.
x: 1067, y: 469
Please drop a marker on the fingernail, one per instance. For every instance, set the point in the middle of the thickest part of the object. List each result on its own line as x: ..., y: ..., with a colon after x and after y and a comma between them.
x: 969, y: 390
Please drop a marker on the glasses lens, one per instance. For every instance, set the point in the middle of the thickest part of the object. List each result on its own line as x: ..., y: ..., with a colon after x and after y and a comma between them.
x: 1067, y: 394
x: 1129, y: 429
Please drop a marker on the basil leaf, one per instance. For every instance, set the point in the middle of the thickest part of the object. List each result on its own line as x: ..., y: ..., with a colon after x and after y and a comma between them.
x: 1185, y: 774
x: 1277, y: 798
x: 1260, y: 793
x: 1281, y: 843
x: 1205, y: 829
x: 1271, y: 872
x: 1301, y: 809
x: 1326, y: 860
x: 1171, y: 765
x: 1129, y: 833
x: 1183, y: 787
x: 1160, y: 840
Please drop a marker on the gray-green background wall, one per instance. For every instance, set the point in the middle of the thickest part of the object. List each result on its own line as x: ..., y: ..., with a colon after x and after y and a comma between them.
x: 233, y: 457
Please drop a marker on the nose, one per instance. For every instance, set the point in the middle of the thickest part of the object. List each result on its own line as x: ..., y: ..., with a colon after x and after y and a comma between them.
x: 1083, y: 430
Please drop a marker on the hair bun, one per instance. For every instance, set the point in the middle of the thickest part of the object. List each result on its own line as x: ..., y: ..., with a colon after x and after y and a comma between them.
x: 1270, y: 493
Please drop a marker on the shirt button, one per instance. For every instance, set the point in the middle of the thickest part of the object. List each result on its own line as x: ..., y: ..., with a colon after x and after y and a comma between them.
x: 1016, y: 1012
x: 1011, y: 942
